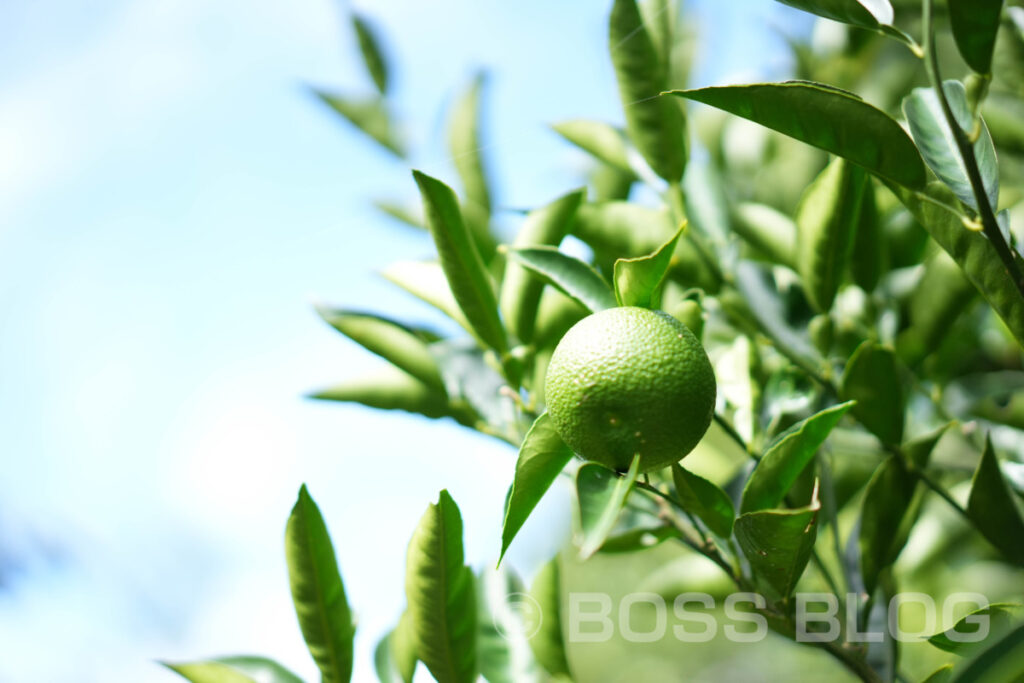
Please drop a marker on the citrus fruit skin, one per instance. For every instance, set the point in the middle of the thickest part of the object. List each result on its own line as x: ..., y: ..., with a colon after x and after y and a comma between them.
x: 627, y: 381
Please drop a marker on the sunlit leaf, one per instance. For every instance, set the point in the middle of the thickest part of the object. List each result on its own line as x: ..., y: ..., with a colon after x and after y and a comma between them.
x: 638, y: 280
x: 865, y: 13
x: 369, y: 115
x: 704, y: 499
x: 601, y: 140
x: 1000, y: 662
x: 244, y: 669
x: 571, y: 276
x: 466, y: 147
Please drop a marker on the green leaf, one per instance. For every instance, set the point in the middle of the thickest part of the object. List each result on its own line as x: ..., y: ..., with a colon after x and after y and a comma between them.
x: 942, y: 294
x: 394, y: 658
x: 872, y: 379
x: 402, y: 346
x: 638, y: 280
x: 1000, y: 662
x: 971, y: 250
x: 868, y: 260
x: 426, y: 281
x: 825, y: 117
x: 601, y: 494
x: 975, y: 24
x: 609, y: 183
x: 571, y: 276
x: 465, y: 146
x: 938, y: 146
x: 439, y: 591
x: 209, y: 672
x: 244, y: 669
x: 705, y: 500
x: 783, y: 462
x: 826, y: 220
x: 470, y: 380
x: 992, y: 508
x: 318, y: 592
x: 641, y: 538
x: 941, y: 675
x: 601, y: 140
x: 406, y: 215
x: 542, y: 457
x: 767, y: 230
x: 369, y: 115
x: 886, y: 501
x: 521, y: 291
x: 469, y: 281
x: 373, y: 55
x: 778, y: 543
x: 656, y: 125
x: 548, y: 642
x: 962, y: 636
x: 864, y: 13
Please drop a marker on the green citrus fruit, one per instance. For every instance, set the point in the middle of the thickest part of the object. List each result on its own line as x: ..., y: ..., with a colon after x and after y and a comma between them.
x: 629, y: 381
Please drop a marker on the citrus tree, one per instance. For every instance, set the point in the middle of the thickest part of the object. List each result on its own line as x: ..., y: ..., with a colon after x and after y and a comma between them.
x: 788, y: 368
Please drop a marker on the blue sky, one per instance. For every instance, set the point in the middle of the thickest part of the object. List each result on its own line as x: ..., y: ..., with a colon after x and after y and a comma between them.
x: 172, y: 203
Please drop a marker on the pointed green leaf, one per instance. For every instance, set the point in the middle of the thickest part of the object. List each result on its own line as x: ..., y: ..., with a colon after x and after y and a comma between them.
x: 778, y: 543
x: 318, y: 592
x: 768, y: 230
x: 864, y: 13
x: 992, y: 508
x: 886, y: 501
x: 406, y: 215
x: 571, y: 276
x: 868, y: 260
x: 209, y: 672
x: 601, y: 140
x: 962, y: 636
x: 440, y: 593
x: 656, y: 125
x: 373, y: 55
x: 831, y: 119
x: 469, y: 281
x: 1000, y: 662
x: 705, y: 500
x: 368, y: 115
x: 938, y: 146
x: 243, y: 669
x: 542, y: 457
x: 975, y: 24
x: 466, y: 148
x: 548, y: 642
x: 426, y: 281
x: 872, y: 378
x: 601, y: 494
x: 520, y: 290
x: 780, y: 466
x: 826, y: 221
x: 941, y: 675
x: 395, y: 658
x: 638, y: 280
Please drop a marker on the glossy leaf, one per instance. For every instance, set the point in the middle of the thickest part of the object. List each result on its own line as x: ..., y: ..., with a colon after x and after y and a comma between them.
x: 601, y: 494
x: 872, y: 378
x: 825, y: 117
x: 767, y: 230
x: 778, y: 543
x: 826, y: 221
x: 463, y: 267
x: 1000, y: 662
x: 992, y: 508
x: 318, y: 592
x: 783, y: 462
x: 243, y: 669
x: 975, y: 24
x: 571, y: 276
x: 638, y: 280
x: 864, y: 13
x: 466, y: 148
x: 656, y: 125
x: 426, y: 281
x: 520, y: 290
x: 601, y: 140
x: 373, y: 56
x: 542, y: 457
x: 548, y: 643
x: 704, y: 499
x: 938, y: 146
x: 958, y: 638
x: 369, y: 115
x: 440, y: 593
x: 886, y: 500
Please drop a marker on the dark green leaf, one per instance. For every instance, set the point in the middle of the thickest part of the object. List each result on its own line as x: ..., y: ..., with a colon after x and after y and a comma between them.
x: 548, y: 643
x: 470, y: 380
x: 570, y: 275
x: 601, y: 494
x: 1000, y: 662
x: 368, y: 115
x: 318, y: 592
x: 638, y: 280
x: 777, y: 471
x: 975, y: 24
x: 963, y: 636
x: 993, y: 509
x: 373, y: 55
x: 466, y: 148
x: 440, y: 593
x: 778, y: 543
x: 469, y: 281
x: 872, y: 379
x: 705, y: 500
x: 865, y: 13
x: 542, y: 457
x: 601, y: 140
x: 656, y: 125
x: 825, y: 117
x: 868, y: 260
x: 886, y: 501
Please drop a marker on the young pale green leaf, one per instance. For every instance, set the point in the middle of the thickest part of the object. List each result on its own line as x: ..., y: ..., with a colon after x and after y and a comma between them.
x: 963, y: 635
x: 705, y: 500
x: 426, y: 281
x: 621, y: 228
x: 466, y: 149
x: 767, y: 230
x: 209, y: 672
x: 318, y: 592
x: 542, y: 457
x: 1000, y: 662
x: 601, y: 494
x: 975, y: 24
x: 601, y: 140
x: 244, y: 669
x: 557, y: 313
x: 405, y: 215
x: 368, y: 115
x: 971, y: 250
x: 402, y: 346
x: 440, y: 593
x: 384, y: 663
x: 786, y: 459
x: 868, y: 259
x: 464, y: 269
x: 938, y: 146
x: 656, y: 125
x: 872, y: 379
x: 886, y: 500
x: 571, y: 276
x: 826, y: 221
x: 520, y: 290
x: 394, y: 658
x: 831, y: 119
x: 864, y: 13
x: 992, y: 508
x: 548, y: 642
x: 373, y: 56
x: 778, y: 543
x: 638, y: 280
